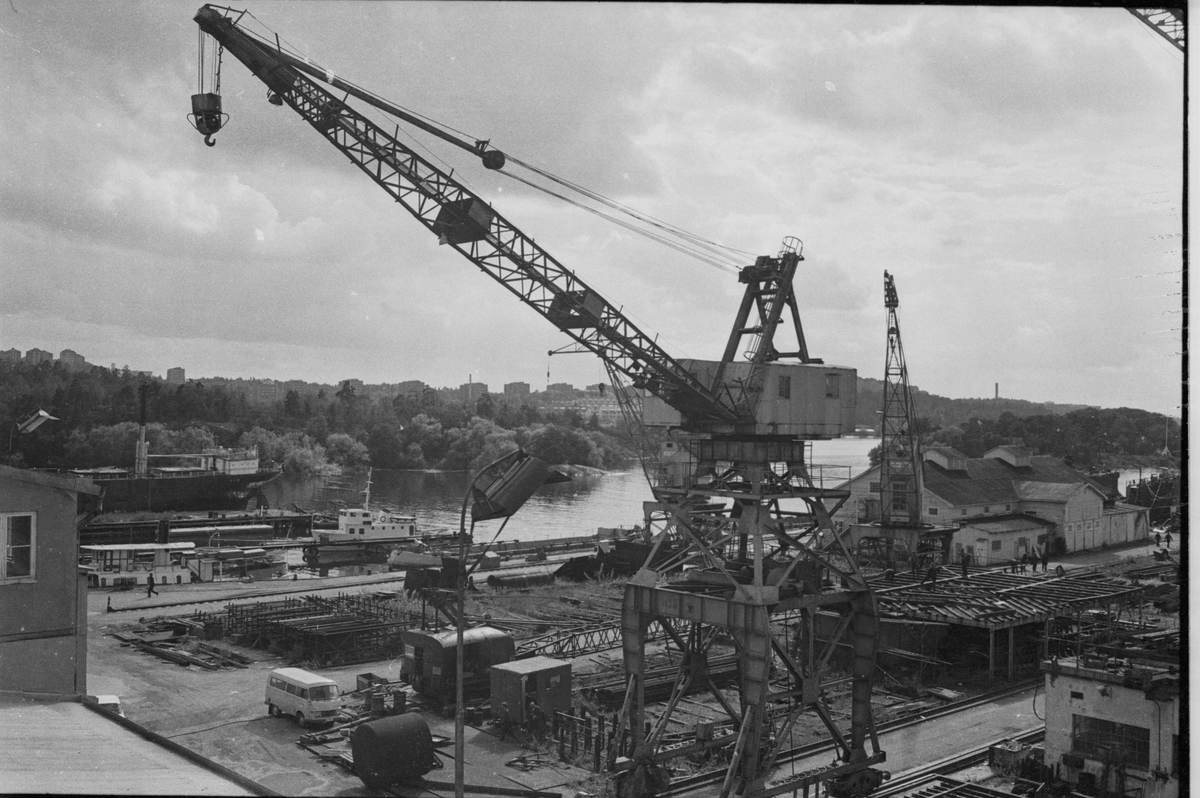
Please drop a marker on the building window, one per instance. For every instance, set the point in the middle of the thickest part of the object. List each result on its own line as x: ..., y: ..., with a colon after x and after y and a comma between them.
x: 1022, y: 543
x: 1007, y: 507
x: 933, y: 510
x: 996, y: 545
x: 963, y: 511
x: 785, y: 387
x: 987, y: 509
x: 1101, y: 740
x: 833, y: 386
x: 874, y: 487
x: 18, y: 530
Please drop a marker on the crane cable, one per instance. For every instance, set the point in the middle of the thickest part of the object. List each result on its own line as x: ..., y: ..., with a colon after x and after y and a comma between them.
x: 662, y: 239
x: 651, y: 220
x: 709, y: 252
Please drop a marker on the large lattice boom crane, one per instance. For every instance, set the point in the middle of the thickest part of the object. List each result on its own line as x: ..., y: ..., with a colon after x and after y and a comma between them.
x: 466, y: 222
x: 747, y: 448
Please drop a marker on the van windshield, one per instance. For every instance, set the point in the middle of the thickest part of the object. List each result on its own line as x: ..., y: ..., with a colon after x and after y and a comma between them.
x: 325, y: 692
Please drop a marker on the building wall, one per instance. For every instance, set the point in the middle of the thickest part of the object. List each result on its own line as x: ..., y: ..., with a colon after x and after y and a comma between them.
x: 1080, y: 522
x: 1121, y: 705
x: 1124, y: 526
x: 43, y: 623
x: 1010, y: 544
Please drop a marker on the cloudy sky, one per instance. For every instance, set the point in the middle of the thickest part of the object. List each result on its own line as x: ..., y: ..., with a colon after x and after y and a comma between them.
x: 1019, y: 171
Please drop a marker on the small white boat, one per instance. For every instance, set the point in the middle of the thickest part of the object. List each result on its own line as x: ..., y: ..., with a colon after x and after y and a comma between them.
x: 364, y: 525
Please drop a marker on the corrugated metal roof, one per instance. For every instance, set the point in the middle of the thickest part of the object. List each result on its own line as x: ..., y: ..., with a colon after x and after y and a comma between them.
x: 1048, y: 491
x: 995, y: 600
x: 991, y: 481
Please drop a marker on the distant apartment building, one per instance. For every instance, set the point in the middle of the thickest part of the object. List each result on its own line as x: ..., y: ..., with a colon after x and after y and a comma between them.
x: 35, y: 356
x: 176, y: 376
x: 516, y: 391
x: 560, y: 387
x: 10, y: 356
x: 597, y: 400
x: 261, y: 393
x: 470, y: 391
x: 72, y: 360
x: 413, y: 389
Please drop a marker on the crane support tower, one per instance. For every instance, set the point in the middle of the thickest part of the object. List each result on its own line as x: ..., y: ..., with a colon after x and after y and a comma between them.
x: 760, y: 574
x: 901, y: 537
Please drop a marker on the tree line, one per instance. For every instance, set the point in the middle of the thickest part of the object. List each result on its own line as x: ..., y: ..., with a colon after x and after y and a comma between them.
x: 1090, y: 439
x: 97, y: 413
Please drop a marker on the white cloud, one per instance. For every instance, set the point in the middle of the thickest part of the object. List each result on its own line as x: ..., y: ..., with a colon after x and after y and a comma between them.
x: 1018, y: 170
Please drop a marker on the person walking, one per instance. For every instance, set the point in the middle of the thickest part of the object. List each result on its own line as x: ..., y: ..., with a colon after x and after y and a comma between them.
x: 150, y: 591
x: 1157, y: 538
x: 1168, y: 539
x: 1046, y: 558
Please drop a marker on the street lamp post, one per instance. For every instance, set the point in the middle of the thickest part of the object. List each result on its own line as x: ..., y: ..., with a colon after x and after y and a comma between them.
x: 499, y: 489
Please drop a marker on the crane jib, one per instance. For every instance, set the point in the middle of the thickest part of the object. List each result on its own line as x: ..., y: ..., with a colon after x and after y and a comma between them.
x: 469, y: 224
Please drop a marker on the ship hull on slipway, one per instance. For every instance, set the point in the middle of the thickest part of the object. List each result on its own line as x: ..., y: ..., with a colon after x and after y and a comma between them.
x: 170, y: 493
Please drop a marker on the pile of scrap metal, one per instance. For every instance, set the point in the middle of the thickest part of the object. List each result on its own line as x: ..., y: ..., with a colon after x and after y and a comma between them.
x: 168, y: 639
x: 616, y: 557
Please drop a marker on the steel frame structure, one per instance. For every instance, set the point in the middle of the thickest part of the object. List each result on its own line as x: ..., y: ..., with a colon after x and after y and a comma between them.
x: 752, y: 566
x: 1170, y: 23
x: 900, y: 463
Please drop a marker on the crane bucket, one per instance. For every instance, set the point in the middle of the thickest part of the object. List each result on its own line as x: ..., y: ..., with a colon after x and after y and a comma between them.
x: 206, y: 115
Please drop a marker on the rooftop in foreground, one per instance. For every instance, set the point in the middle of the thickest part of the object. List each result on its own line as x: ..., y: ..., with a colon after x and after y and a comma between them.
x: 65, y: 747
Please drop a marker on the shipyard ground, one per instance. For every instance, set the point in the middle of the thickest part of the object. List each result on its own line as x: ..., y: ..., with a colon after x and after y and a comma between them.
x: 220, y: 714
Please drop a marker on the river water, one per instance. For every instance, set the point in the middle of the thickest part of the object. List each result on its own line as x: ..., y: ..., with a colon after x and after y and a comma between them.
x: 572, y: 508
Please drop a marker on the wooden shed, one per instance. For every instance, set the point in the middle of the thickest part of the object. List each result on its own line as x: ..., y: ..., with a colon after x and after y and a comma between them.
x: 545, y: 681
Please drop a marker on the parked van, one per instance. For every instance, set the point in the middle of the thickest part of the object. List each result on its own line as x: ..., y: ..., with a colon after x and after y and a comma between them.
x: 311, y: 698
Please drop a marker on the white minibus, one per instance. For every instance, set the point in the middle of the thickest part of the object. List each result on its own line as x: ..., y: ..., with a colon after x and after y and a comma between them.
x: 311, y: 698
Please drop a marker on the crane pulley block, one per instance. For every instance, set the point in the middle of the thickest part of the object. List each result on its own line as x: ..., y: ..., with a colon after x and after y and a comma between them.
x: 463, y: 221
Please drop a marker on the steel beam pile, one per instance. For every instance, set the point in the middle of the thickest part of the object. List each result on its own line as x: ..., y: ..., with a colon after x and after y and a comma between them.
x: 325, y: 631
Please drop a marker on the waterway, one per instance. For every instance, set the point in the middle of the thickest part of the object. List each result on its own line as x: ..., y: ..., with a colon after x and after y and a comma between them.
x: 578, y: 507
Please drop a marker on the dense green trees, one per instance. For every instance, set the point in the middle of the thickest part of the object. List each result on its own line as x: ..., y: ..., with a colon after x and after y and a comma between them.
x: 1091, y: 437
x: 303, y: 432
x: 352, y: 427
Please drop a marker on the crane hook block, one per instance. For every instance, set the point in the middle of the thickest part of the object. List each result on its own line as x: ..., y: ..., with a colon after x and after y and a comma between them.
x: 206, y: 115
x: 493, y: 159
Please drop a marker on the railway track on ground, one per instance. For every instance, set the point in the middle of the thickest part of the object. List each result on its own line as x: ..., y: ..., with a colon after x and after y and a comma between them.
x: 682, y: 787
x: 952, y: 764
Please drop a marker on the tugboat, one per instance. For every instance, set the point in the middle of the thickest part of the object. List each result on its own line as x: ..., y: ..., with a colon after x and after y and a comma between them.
x: 363, y: 530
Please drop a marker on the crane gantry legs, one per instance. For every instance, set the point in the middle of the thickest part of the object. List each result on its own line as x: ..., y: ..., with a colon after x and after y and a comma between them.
x: 759, y: 577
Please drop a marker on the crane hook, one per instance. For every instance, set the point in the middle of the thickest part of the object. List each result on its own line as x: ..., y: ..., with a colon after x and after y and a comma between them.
x: 208, y: 140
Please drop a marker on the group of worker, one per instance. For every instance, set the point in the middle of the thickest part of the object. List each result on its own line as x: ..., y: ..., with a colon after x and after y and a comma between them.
x: 535, y: 721
x: 1021, y: 564
x: 1158, y: 539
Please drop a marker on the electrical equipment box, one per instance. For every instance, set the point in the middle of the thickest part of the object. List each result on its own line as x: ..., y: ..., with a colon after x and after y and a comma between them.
x: 804, y: 400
